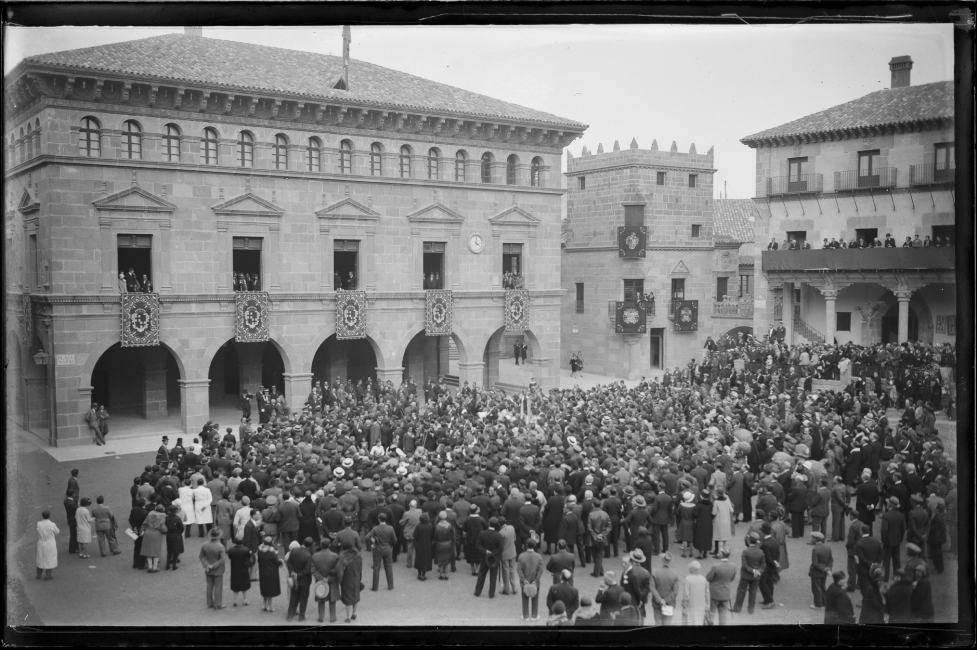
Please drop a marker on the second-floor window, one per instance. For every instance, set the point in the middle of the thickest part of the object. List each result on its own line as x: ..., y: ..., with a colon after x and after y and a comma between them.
x: 346, y: 264
x: 376, y: 160
x: 433, y: 164
x: 208, y: 147
x: 580, y: 298
x: 796, y: 181
x: 460, y: 158
x: 634, y: 216
x: 678, y: 291
x: 660, y: 178
x: 132, y: 140
x: 246, y: 263
x: 405, y: 162
x: 171, y: 143
x: 510, y: 169
x: 434, y: 264
x: 722, y: 288
x: 345, y: 157
x: 315, y: 153
x: 89, y: 138
x: 280, y: 153
x: 945, y: 166
x: 692, y: 179
x: 746, y: 285
x: 486, y: 167
x: 868, y: 168
x: 634, y: 290
x: 534, y: 171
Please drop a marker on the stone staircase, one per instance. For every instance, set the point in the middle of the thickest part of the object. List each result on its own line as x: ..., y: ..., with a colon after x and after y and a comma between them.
x: 804, y: 334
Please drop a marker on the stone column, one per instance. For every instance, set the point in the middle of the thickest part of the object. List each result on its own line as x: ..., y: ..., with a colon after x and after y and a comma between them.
x: 297, y: 389
x: 903, y: 297
x: 546, y: 372
x: 194, y: 404
x: 632, y: 341
x: 473, y: 373
x: 394, y: 375
x: 830, y: 319
x: 249, y: 365
x: 788, y: 312
x: 154, y: 383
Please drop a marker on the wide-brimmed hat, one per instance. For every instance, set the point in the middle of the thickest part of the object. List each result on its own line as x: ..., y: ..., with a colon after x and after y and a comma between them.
x: 271, y: 499
x: 639, y: 502
x: 571, y: 440
x: 347, y: 462
x: 894, y: 501
x: 688, y: 496
x: 637, y: 556
x: 339, y: 472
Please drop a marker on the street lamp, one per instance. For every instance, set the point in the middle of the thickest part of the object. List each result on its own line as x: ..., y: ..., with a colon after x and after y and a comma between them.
x: 41, y: 358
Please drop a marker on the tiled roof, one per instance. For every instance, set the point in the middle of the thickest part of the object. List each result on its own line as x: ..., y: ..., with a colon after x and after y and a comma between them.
x: 746, y: 260
x: 882, y: 108
x: 259, y: 68
x: 733, y: 220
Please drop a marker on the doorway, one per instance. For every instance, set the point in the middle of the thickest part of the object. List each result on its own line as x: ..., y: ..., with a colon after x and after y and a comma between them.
x: 890, y: 325
x: 657, y: 347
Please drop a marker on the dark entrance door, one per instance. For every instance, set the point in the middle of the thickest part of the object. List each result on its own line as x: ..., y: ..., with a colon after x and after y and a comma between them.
x: 657, y: 349
x: 890, y: 325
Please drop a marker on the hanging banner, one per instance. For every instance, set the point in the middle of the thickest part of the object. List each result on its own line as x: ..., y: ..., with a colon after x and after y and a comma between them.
x: 631, y: 241
x: 140, y: 319
x: 251, y: 316
x: 350, y: 315
x: 437, y: 315
x: 686, y: 315
x: 516, y: 310
x: 28, y: 320
x: 632, y: 318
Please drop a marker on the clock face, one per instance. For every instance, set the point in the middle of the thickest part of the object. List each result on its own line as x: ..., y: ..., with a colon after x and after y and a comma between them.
x: 476, y: 243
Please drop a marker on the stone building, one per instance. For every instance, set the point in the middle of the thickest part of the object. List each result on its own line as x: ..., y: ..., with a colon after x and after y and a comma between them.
x: 879, y: 165
x: 643, y: 222
x: 170, y: 156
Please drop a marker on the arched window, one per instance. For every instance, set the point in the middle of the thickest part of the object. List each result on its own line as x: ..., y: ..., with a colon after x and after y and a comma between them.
x: 245, y: 150
x: 345, y: 157
x: 460, y: 159
x: 90, y: 138
x: 486, y: 167
x: 315, y: 152
x: 208, y: 147
x: 433, y: 164
x: 534, y: 171
x: 376, y: 159
x: 171, y: 143
x: 405, y: 161
x: 510, y: 169
x: 132, y: 140
x: 280, y: 153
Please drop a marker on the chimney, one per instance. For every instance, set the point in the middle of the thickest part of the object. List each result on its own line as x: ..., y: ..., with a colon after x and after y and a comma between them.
x: 193, y: 31
x: 900, y: 66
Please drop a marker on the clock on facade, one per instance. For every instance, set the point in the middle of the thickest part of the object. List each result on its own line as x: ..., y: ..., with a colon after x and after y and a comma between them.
x: 476, y: 244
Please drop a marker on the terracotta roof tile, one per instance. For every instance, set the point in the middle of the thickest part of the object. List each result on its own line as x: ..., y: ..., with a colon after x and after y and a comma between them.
x: 263, y: 69
x: 733, y: 220
x: 881, y: 108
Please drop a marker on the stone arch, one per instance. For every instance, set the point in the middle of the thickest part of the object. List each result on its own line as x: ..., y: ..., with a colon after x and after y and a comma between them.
x: 173, y: 346
x: 380, y: 347
x: 924, y: 317
x: 460, y: 339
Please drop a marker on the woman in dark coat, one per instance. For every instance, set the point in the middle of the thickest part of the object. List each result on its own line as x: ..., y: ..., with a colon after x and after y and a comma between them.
x: 685, y: 524
x: 702, y: 526
x: 350, y: 572
x: 269, y: 580
x: 473, y: 528
x: 837, y: 605
x: 552, y: 516
x: 424, y: 546
x: 307, y: 522
x: 444, y: 544
x: 174, y: 537
x: 873, y: 606
x: 241, y: 561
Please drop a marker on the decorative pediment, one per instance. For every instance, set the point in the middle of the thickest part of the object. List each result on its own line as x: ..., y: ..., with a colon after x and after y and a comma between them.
x: 28, y: 202
x: 248, y: 205
x: 681, y: 269
x: 348, y: 209
x: 134, y: 199
x: 514, y: 216
x: 436, y: 213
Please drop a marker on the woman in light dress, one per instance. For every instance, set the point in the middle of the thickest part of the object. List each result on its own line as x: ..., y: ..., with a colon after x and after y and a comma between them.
x: 186, y: 507
x: 722, y: 520
x: 202, y: 498
x: 84, y: 520
x: 47, y: 546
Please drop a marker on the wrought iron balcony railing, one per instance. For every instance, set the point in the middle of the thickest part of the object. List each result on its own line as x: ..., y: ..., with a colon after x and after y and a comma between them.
x: 931, y: 174
x: 852, y: 180
x: 805, y: 183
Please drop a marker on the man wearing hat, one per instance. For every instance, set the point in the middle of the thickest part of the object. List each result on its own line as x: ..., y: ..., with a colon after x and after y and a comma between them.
x: 636, y: 580
x: 299, y: 565
x: 327, y: 589
x: 918, y: 523
x: 866, y: 499
x: 752, y: 567
x: 599, y: 529
x: 639, y: 517
x: 893, y: 532
x: 868, y: 551
x: 720, y: 577
x: 822, y: 563
x: 213, y: 557
x: 770, y: 546
x: 563, y: 591
x: 664, y: 590
x: 562, y: 560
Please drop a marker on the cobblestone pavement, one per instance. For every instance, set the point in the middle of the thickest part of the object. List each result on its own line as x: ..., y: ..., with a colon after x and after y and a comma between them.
x: 107, y: 591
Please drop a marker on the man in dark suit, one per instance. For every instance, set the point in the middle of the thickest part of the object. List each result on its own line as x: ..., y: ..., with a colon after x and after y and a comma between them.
x: 136, y: 518
x: 563, y: 591
x: 660, y: 507
x: 867, y: 499
x: 636, y: 580
x: 821, y: 564
x: 609, y: 597
x: 562, y: 560
x: 892, y: 534
x: 213, y: 557
x: 324, y: 563
x: 868, y: 551
x: 383, y: 537
x: 288, y: 525
x: 300, y: 566
x: 752, y: 565
x: 770, y: 547
x: 855, y: 532
x: 489, y: 546
x: 720, y: 577
x: 840, y: 495
x: 796, y: 505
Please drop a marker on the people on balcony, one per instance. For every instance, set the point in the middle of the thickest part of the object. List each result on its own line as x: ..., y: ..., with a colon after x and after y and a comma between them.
x: 890, y: 241
x: 908, y: 243
x: 511, y: 280
x: 246, y: 282
x: 917, y: 243
x: 926, y: 242
x: 432, y: 281
x: 772, y: 246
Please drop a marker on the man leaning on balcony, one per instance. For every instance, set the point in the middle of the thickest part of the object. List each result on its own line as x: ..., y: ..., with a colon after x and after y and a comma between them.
x: 772, y: 246
x: 890, y: 241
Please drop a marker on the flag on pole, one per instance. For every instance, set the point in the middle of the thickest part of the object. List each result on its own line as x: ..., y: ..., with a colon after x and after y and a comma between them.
x: 346, y: 40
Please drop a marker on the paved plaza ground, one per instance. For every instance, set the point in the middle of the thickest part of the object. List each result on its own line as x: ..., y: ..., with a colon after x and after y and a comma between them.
x: 107, y: 591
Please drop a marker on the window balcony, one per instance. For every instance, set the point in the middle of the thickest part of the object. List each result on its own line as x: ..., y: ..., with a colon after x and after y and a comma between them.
x: 612, y: 310
x: 803, y: 184
x: 931, y: 174
x: 852, y: 180
x: 864, y: 260
x: 733, y: 307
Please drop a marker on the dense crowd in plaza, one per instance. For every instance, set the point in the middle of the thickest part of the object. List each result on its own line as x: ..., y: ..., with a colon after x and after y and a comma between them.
x: 555, y: 483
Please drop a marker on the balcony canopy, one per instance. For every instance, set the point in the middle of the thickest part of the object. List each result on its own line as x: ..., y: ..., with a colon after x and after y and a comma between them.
x: 871, y: 259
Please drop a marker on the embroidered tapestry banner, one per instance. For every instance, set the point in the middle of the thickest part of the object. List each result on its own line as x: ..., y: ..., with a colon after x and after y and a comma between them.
x: 140, y: 319
x: 632, y: 318
x: 437, y: 315
x: 516, y: 310
x: 251, y: 316
x: 350, y: 315
x: 686, y: 315
x: 631, y: 241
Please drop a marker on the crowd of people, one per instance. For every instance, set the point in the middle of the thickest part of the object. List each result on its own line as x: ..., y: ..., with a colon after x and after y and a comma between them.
x: 129, y: 282
x: 486, y: 479
x: 513, y: 280
x: 861, y: 242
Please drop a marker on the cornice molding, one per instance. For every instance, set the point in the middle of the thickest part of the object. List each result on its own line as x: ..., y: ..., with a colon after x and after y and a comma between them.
x: 279, y: 297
